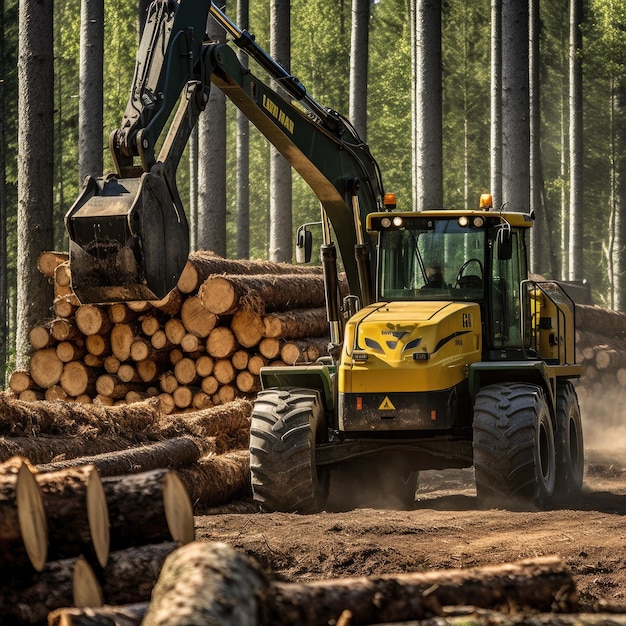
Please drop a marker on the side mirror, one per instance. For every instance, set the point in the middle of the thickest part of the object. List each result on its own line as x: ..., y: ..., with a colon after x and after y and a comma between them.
x: 304, y: 244
x: 504, y: 242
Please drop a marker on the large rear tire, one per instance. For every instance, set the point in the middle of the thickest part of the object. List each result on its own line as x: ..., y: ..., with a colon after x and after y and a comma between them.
x: 570, y: 455
x: 283, y: 432
x: 514, y: 447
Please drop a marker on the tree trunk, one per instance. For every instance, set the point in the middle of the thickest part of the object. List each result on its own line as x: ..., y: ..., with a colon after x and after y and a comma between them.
x: 35, y: 166
x: 281, y: 232
x: 90, y: 93
x: 127, y: 615
x: 428, y: 106
x: 359, y: 56
x: 515, y: 107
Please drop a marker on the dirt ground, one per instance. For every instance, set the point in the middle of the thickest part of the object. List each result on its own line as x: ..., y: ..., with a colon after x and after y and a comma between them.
x: 446, y: 529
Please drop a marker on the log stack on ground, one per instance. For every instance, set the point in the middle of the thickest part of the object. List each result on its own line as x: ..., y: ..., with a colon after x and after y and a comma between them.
x: 199, y: 346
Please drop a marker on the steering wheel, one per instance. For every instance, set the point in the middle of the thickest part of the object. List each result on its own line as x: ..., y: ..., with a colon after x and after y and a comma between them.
x: 472, y: 281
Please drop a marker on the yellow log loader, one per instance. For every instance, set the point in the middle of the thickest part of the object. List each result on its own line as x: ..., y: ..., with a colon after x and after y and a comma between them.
x: 443, y: 354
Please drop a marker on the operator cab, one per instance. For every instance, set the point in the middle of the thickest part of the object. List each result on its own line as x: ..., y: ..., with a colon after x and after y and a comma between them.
x: 458, y: 256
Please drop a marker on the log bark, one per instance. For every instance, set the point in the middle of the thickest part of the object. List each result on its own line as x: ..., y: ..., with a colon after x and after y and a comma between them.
x: 216, y: 479
x: 227, y: 294
x: 131, y: 574
x: 56, y: 418
x: 591, y: 318
x: 197, y: 578
x: 37, y: 593
x: 296, y: 324
x: 76, y: 512
x: 169, y: 453
x: 127, y: 615
x: 542, y: 584
x: 23, y: 528
x: 203, y: 264
x: 148, y: 507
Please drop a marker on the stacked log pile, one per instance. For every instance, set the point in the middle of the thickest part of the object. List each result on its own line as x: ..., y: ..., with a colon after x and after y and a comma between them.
x: 202, y: 345
x: 601, y: 350
x: 94, y: 529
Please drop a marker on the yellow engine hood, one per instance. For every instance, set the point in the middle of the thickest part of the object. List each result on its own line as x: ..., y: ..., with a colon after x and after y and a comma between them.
x: 410, y: 346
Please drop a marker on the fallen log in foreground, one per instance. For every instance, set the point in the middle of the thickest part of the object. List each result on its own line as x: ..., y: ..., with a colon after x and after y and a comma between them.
x: 197, y: 580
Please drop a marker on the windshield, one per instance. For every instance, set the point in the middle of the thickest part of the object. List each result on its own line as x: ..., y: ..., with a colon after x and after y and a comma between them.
x: 432, y: 259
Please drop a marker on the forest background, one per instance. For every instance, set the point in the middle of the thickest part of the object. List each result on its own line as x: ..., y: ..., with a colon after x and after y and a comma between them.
x: 320, y: 58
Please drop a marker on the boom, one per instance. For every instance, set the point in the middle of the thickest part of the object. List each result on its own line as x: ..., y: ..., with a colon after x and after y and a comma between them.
x: 129, y: 235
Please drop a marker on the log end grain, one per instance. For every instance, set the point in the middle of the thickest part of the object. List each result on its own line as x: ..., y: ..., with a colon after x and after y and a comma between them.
x: 178, y: 509
x: 31, y: 516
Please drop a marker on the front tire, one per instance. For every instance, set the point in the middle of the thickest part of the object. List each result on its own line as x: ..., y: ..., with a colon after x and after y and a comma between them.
x: 283, y: 433
x: 569, y: 444
x: 514, y: 446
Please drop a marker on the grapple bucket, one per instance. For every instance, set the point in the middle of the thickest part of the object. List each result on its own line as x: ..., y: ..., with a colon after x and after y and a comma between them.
x: 128, y: 240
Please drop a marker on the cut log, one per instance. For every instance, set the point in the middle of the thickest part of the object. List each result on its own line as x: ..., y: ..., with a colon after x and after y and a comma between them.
x: 189, y: 343
x: 37, y: 593
x: 221, y: 342
x: 92, y: 320
x: 224, y: 371
x: 47, y: 262
x: 168, y: 382
x: 69, y: 351
x: 62, y: 274
x: 39, y: 337
x: 56, y: 418
x: 20, y: 380
x: 131, y: 574
x: 607, y: 357
x: 65, y: 306
x: 247, y: 383
x: 217, y: 479
x: 304, y: 351
x: 228, y: 423
x: 55, y: 392
x: 258, y: 361
x: 196, y: 319
x: 198, y: 580
x: 170, y: 304
x: 204, y: 365
x: 175, y: 331
x: 98, y: 345
x: 122, y: 337
x: 240, y: 359
x: 183, y: 396
x: 119, y: 313
x: 542, y: 584
x: 201, y: 401
x: 591, y: 318
x: 225, y: 394
x: 170, y: 453
x: 247, y: 327
x: 23, y: 529
x: 148, y: 507
x: 185, y: 371
x: 77, y: 378
x: 150, y: 324
x: 126, y: 615
x: 209, y: 385
x: 76, y: 512
x: 202, y: 264
x: 296, y: 324
x: 63, y: 329
x: 147, y: 370
x: 227, y: 294
x: 46, y: 367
